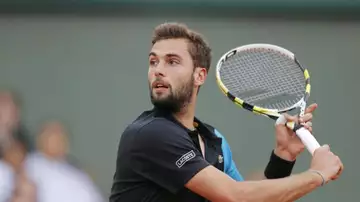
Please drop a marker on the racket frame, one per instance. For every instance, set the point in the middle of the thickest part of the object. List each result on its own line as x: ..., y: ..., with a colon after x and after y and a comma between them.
x: 271, y: 113
x: 305, y: 136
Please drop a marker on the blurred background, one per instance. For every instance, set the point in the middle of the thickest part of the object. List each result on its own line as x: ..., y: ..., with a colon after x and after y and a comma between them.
x: 76, y: 71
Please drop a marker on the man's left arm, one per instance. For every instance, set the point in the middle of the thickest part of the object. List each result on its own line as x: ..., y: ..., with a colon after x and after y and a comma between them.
x: 276, y: 167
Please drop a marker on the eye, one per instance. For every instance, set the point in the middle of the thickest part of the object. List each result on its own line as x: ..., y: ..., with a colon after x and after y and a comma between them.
x: 153, y: 62
x: 174, y: 62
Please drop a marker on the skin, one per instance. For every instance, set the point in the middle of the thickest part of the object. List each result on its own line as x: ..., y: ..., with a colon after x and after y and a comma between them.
x: 13, y: 151
x: 9, y: 112
x: 9, y: 119
x: 170, y: 64
x: 175, y: 70
x: 52, y: 141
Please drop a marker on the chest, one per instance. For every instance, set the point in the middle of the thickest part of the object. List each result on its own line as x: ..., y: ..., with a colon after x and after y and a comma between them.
x: 210, y: 148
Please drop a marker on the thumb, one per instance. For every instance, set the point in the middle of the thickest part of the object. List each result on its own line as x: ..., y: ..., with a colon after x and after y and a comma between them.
x: 326, y: 147
x: 323, y: 148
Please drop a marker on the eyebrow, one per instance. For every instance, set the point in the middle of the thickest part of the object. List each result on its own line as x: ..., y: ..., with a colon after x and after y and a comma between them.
x: 167, y: 55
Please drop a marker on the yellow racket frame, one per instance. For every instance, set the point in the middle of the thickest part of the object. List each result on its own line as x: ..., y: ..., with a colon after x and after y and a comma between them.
x: 271, y: 113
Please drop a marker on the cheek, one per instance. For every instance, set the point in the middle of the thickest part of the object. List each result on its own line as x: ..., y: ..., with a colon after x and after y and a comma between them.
x: 150, y: 76
x: 179, y: 82
x: 151, y: 73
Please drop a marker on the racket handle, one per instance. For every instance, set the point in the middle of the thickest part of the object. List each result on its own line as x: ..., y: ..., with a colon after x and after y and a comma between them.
x: 308, y: 139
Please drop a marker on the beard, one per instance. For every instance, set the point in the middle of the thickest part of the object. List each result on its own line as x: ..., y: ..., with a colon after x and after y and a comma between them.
x: 176, y: 99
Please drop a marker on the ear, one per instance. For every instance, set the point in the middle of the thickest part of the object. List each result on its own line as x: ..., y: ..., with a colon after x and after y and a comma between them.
x: 200, y: 75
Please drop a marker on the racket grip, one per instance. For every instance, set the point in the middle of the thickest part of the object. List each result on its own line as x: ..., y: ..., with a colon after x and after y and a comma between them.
x: 308, y: 139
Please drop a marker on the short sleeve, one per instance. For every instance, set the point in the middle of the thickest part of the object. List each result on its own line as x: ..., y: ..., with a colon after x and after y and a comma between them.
x: 166, y: 155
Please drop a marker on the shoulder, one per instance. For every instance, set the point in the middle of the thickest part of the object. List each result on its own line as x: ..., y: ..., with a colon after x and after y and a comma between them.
x: 216, y: 132
x: 149, y: 127
x: 224, y: 144
x: 149, y: 122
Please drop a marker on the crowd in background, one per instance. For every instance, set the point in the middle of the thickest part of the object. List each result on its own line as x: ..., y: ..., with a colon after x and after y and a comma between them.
x: 36, y: 168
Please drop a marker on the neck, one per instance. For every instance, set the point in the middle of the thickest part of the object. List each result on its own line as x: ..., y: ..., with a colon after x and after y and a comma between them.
x: 187, y: 114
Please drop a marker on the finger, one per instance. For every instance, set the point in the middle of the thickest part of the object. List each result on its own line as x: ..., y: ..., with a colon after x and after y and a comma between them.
x: 326, y: 147
x: 307, y: 117
x: 311, y: 108
x: 281, y: 120
x: 338, y: 173
x: 290, y: 118
x: 341, y: 164
x: 309, y: 128
x: 307, y: 124
x: 341, y: 169
x: 285, y: 118
x: 323, y: 148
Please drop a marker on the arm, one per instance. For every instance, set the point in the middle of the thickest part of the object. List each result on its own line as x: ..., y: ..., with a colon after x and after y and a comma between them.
x: 231, y: 170
x: 256, y: 176
x: 218, y: 187
x: 276, y: 168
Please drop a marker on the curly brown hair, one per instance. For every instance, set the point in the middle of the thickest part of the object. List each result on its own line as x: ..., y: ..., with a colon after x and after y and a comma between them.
x: 198, y: 47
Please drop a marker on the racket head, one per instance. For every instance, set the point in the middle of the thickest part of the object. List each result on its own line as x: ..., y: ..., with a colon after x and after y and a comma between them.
x: 263, y: 78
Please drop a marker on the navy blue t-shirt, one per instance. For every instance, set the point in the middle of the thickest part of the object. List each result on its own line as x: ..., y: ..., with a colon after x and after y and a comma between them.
x: 156, y: 158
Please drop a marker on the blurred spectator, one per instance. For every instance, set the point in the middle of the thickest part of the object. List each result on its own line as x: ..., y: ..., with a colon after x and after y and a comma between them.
x: 14, y: 144
x: 44, y: 175
x: 55, y: 178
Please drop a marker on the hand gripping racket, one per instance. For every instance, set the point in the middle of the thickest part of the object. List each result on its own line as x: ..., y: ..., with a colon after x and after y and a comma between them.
x: 267, y: 80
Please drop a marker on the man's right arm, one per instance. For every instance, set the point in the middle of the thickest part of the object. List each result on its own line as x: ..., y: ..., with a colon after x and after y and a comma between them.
x: 218, y: 187
x: 168, y: 158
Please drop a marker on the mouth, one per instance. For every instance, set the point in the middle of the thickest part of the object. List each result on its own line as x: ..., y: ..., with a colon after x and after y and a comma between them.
x: 159, y: 85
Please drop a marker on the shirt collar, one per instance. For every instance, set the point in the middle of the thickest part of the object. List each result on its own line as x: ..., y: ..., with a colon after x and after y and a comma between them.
x: 198, y: 125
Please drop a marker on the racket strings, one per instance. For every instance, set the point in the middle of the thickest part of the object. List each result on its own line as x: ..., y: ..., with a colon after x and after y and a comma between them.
x: 266, y: 79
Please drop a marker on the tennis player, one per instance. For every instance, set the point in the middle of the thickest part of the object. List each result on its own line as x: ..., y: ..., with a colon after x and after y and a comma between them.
x: 167, y: 154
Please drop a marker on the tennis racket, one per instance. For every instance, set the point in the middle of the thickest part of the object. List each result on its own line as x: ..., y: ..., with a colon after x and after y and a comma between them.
x: 267, y: 80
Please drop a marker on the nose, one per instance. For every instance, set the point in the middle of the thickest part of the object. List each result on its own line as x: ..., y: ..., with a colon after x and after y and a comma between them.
x: 159, y: 70
x: 158, y: 74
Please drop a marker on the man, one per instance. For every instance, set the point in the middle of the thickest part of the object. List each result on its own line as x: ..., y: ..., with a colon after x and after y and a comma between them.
x: 14, y: 143
x: 167, y: 154
x: 55, y: 178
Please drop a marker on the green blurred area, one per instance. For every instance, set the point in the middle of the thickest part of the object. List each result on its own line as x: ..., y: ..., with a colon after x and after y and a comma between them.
x: 269, y: 6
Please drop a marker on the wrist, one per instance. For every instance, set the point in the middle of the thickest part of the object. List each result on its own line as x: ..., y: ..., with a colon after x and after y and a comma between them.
x: 284, y: 154
x: 319, y: 178
x: 278, y: 167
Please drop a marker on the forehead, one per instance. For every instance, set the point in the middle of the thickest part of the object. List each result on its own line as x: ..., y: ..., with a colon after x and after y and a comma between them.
x: 171, y: 46
x: 6, y: 98
x: 51, y: 127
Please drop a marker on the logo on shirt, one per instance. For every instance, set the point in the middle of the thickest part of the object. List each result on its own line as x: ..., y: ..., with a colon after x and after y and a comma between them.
x: 220, y: 159
x: 185, y: 158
